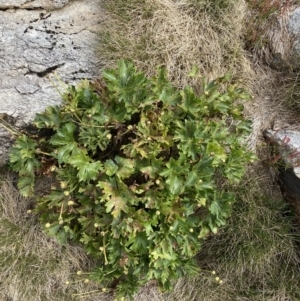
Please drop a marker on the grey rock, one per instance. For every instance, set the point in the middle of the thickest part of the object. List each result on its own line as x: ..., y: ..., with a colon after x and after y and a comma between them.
x: 38, y: 38
x: 293, y: 27
x: 287, y: 144
x: 287, y: 149
x: 31, y: 4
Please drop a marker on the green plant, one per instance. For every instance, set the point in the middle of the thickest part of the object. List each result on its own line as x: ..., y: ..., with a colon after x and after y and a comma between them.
x: 142, y: 171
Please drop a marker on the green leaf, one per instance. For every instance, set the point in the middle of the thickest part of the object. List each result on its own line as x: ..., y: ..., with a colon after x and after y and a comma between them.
x: 64, y: 153
x: 215, y: 208
x: 126, y: 167
x: 26, y: 185
x: 109, y: 75
x: 192, y: 179
x: 79, y: 159
x: 217, y: 152
x: 64, y: 136
x: 175, y: 184
x: 116, y: 204
x: 139, y: 243
x: 51, y: 118
x: 110, y: 167
x: 89, y: 171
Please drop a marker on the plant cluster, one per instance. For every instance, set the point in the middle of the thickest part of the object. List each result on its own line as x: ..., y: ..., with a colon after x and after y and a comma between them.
x: 141, y: 171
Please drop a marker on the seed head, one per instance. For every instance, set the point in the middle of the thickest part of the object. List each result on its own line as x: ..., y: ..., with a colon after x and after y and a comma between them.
x: 86, y: 280
x: 217, y: 279
x: 53, y: 167
x: 63, y: 184
x: 96, y: 225
x: 70, y: 203
x: 104, y: 289
x: 48, y: 225
x: 66, y: 193
x: 213, y: 272
x: 157, y: 212
x: 157, y: 182
x: 67, y: 282
x: 61, y: 221
x: 108, y: 136
x: 79, y: 273
x: 191, y: 230
x: 101, y: 249
x: 29, y: 211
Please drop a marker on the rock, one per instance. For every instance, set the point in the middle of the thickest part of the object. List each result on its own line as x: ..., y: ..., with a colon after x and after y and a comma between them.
x: 283, y: 50
x: 32, y: 4
x: 290, y: 187
x: 294, y: 30
x: 287, y: 148
x: 287, y: 154
x: 38, y: 38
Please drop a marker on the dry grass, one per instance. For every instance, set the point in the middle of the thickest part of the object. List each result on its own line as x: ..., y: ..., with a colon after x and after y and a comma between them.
x: 33, y: 266
x: 266, y: 30
x: 176, y: 34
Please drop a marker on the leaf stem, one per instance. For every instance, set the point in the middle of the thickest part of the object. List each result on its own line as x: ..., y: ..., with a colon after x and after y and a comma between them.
x: 88, y: 293
x: 8, y: 127
x: 104, y: 252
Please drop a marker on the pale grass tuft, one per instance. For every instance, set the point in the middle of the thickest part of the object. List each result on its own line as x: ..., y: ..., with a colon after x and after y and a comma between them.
x: 176, y: 34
